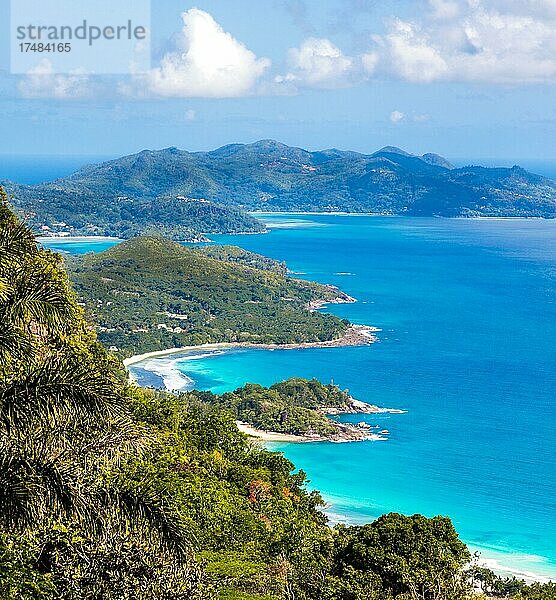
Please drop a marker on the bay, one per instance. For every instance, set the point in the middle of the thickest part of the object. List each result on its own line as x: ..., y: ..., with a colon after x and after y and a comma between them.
x: 467, y: 310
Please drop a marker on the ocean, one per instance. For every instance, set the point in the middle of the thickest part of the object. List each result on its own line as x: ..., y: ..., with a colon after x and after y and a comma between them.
x: 31, y: 169
x: 467, y: 312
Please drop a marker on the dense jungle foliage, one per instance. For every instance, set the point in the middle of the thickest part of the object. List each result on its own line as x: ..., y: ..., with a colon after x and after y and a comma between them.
x: 296, y: 406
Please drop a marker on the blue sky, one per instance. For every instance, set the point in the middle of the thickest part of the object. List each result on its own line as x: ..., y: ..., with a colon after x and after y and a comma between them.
x: 464, y: 78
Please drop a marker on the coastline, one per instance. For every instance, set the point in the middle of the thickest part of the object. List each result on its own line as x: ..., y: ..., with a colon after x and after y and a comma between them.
x: 355, y: 335
x: 503, y: 563
x: 106, y: 238
x: 342, y: 298
x: 338, y: 213
x: 510, y: 564
x: 78, y: 238
x: 270, y: 436
x: 346, y: 433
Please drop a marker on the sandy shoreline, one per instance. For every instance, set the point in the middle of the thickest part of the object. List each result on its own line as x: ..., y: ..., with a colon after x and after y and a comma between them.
x: 271, y: 436
x: 356, y: 335
x: 78, y: 238
x: 347, y: 432
x: 337, y: 213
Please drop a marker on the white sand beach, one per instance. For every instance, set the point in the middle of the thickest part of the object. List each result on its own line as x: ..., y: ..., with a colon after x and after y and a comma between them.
x: 356, y: 335
x: 271, y: 436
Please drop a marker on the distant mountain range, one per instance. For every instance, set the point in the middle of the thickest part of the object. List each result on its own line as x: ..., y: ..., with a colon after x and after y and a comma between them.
x: 180, y: 193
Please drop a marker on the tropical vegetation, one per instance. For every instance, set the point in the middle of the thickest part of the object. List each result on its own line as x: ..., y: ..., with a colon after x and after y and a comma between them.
x: 113, y: 492
x: 296, y: 406
x: 150, y: 294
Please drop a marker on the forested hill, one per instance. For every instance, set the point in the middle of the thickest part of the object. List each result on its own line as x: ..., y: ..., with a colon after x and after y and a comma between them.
x: 150, y: 294
x: 95, y: 207
x: 171, y: 188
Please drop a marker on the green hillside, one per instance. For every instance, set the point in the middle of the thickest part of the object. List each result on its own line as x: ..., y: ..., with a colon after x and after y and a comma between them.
x: 87, y: 208
x: 178, y: 194
x: 294, y: 406
x: 149, y: 294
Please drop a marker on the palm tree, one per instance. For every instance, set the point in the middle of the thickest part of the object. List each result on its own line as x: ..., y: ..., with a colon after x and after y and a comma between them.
x: 34, y: 295
x: 64, y: 422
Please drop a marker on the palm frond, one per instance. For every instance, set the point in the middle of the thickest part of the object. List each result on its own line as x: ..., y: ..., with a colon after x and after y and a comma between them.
x: 39, y: 298
x: 32, y: 487
x: 144, y: 507
x: 119, y: 439
x: 5, y: 289
x: 60, y: 384
x: 16, y: 241
x: 14, y: 344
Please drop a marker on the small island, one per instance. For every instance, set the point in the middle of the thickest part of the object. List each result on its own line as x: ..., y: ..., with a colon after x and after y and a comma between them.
x: 298, y: 410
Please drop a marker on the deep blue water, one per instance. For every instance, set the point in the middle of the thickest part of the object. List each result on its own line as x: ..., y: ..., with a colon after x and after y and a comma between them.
x: 36, y: 169
x: 467, y: 310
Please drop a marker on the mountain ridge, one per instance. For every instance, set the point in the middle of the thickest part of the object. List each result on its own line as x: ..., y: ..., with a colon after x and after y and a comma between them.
x: 179, y: 193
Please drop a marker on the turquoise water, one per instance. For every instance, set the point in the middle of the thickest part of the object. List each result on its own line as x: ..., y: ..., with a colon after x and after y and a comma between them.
x: 79, y: 245
x: 467, y: 310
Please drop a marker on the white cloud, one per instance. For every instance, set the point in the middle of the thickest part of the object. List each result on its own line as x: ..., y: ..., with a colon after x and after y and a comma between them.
x: 317, y: 63
x: 207, y: 62
x: 444, y: 9
x: 397, y: 117
x: 42, y: 82
x: 507, y: 48
x: 490, y: 41
x: 411, y: 56
x: 370, y: 62
x: 545, y: 9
